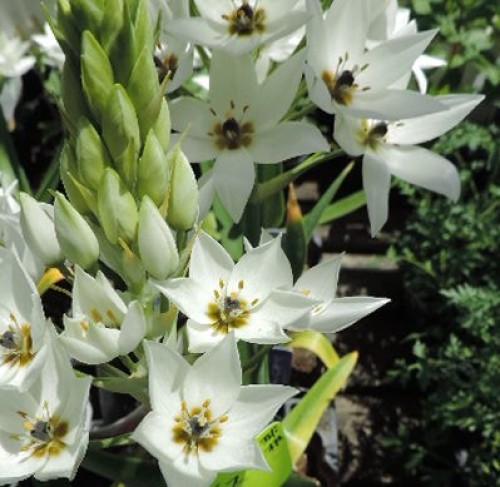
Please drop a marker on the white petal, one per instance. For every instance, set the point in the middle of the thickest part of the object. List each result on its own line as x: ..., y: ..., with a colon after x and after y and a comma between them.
x: 421, y: 129
x: 196, y: 149
x: 201, y: 337
x: 277, y: 10
x: 234, y: 176
x: 192, y: 114
x: 256, y: 407
x: 346, y: 24
x: 186, y: 471
x: 210, y: 263
x: 133, y: 328
x: 232, y: 454
x: 189, y: 296
x: 377, y: 184
x: 277, y: 93
x: 345, y: 134
x: 391, y: 104
x: 287, y: 140
x: 318, y: 92
x: 318, y: 58
x: 261, y: 270
x: 231, y: 79
x: 215, y: 376
x: 161, y: 384
x: 284, y: 307
x: 262, y: 330
x: 198, y: 31
x: 343, y: 312
x: 154, y: 433
x: 320, y: 281
x: 388, y: 61
x: 206, y: 194
x: 214, y: 9
x: 424, y: 168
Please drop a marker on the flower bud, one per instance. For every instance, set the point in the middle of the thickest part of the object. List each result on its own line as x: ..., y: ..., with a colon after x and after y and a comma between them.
x: 162, y: 126
x: 111, y: 24
x: 91, y: 154
x: 97, y: 75
x: 75, y: 237
x: 38, y: 230
x: 120, y: 129
x: 183, y: 194
x: 152, y: 171
x: 156, y: 243
x: 117, y: 209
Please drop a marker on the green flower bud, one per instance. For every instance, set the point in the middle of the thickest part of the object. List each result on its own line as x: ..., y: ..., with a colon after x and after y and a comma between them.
x: 183, y: 193
x: 97, y: 75
x: 153, y: 171
x: 68, y: 167
x: 117, y: 208
x: 77, y: 240
x: 71, y: 92
x: 38, y: 230
x: 144, y: 90
x: 162, y: 126
x: 87, y: 14
x: 121, y: 133
x: 91, y: 154
x: 111, y: 24
x: 157, y: 247
x: 66, y: 31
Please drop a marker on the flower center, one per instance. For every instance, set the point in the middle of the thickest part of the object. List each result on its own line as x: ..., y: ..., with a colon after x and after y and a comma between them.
x: 232, y: 134
x: 229, y: 311
x: 166, y: 66
x: 16, y: 343
x: 372, y: 135
x: 43, y: 434
x: 245, y: 20
x: 197, y: 429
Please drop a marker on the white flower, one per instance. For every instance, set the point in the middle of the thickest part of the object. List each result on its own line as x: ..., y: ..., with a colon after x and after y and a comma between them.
x: 10, y: 94
x: 102, y: 326
x: 395, y: 22
x: 24, y: 330
x: 247, y: 298
x: 388, y: 148
x: 173, y: 55
x: 242, y: 125
x: 239, y: 26
x: 331, y: 314
x: 47, y: 42
x: 343, y: 78
x: 203, y: 421
x: 42, y: 430
x: 13, y: 61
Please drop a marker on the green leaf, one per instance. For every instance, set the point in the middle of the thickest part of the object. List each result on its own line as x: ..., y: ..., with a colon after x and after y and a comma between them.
x: 343, y: 207
x: 317, y: 343
x: 300, y: 424
x: 135, y: 386
x: 314, y: 216
x: 139, y: 472
x: 272, y: 209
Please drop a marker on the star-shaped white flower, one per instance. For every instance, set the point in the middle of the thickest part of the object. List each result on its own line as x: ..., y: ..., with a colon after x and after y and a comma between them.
x: 13, y: 59
x: 173, y: 56
x: 241, y: 125
x: 343, y: 78
x: 47, y: 42
x: 102, y: 325
x: 24, y: 330
x: 331, y: 314
x: 42, y: 430
x: 203, y: 421
x: 388, y: 148
x: 246, y: 298
x: 239, y: 26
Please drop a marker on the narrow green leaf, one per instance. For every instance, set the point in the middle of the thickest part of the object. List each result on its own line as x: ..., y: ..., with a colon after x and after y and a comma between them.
x: 134, y: 386
x: 8, y: 156
x: 140, y: 472
x: 272, y: 209
x: 300, y: 424
x: 317, y: 343
x: 314, y: 216
x: 50, y: 180
x: 343, y: 207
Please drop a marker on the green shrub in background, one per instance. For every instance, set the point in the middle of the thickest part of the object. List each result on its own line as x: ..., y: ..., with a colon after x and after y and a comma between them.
x: 453, y: 280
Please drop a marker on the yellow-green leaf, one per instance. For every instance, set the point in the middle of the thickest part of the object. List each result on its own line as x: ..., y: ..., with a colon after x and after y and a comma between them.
x: 317, y: 343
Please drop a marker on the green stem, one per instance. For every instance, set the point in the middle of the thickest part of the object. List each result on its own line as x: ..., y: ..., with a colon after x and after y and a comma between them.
x: 264, y: 190
x: 256, y: 358
x: 111, y: 371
